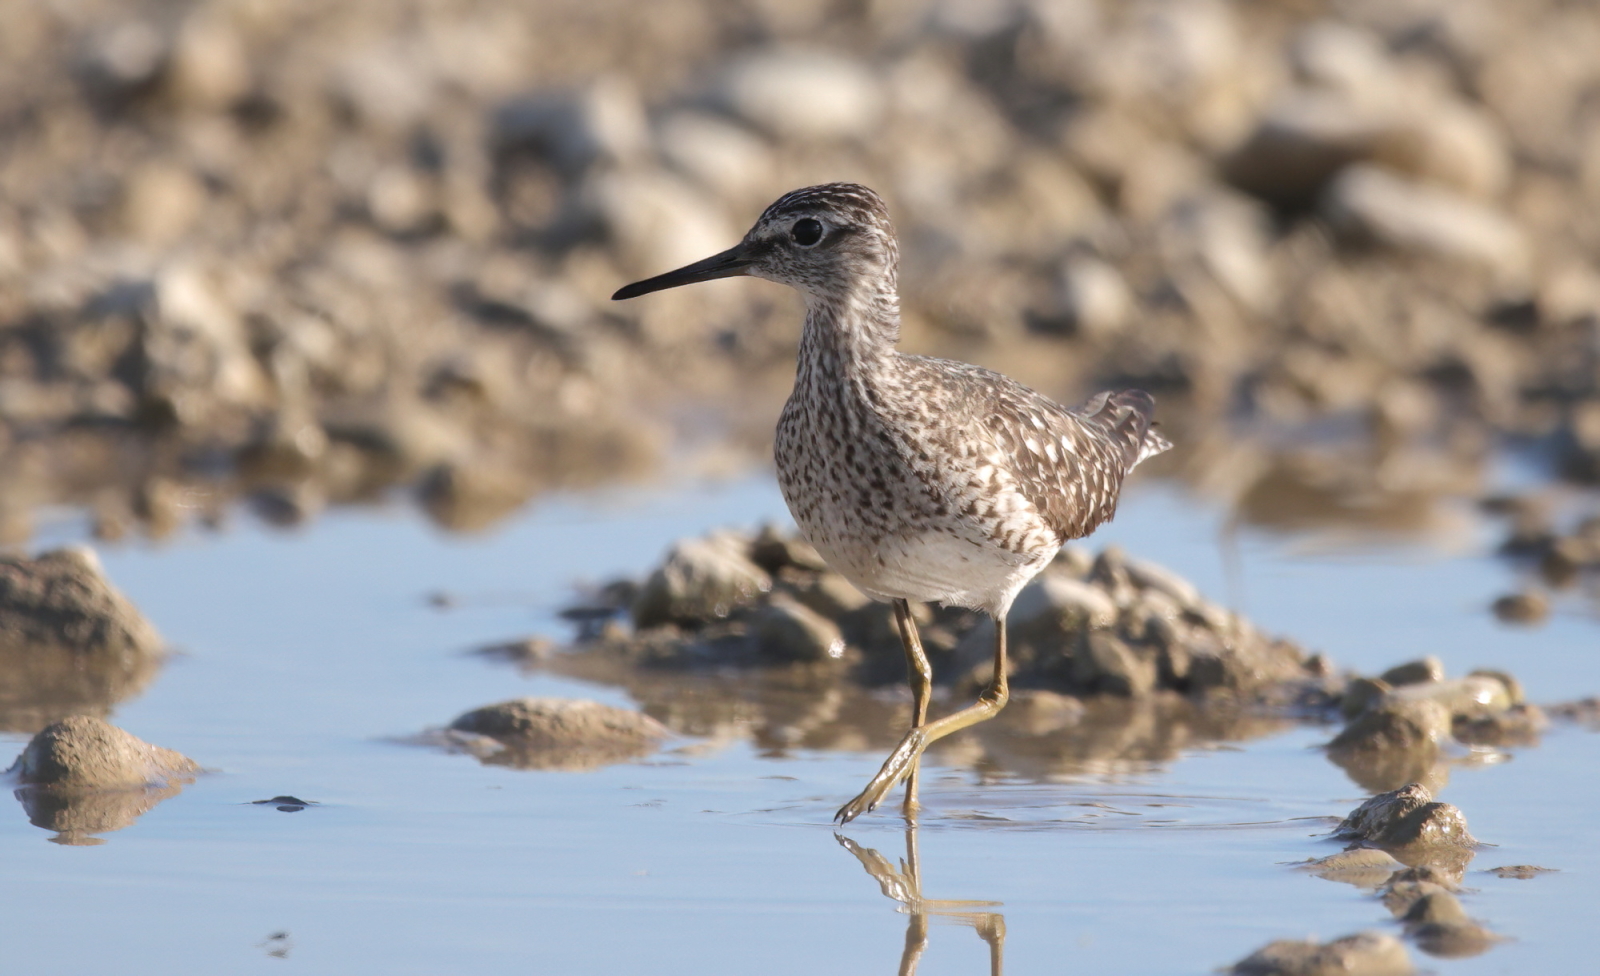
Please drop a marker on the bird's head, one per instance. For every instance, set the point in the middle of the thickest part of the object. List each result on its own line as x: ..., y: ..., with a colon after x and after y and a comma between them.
x: 821, y: 240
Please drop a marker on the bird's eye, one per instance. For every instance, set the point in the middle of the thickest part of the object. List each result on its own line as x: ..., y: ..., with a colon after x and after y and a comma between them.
x: 806, y: 231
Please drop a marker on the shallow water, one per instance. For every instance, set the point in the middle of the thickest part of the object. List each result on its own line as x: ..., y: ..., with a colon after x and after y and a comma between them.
x: 306, y: 656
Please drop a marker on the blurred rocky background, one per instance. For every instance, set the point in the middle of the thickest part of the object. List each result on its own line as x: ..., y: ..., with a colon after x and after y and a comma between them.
x: 298, y: 254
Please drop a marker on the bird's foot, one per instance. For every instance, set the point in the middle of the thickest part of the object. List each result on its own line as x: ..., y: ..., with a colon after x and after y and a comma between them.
x: 895, y: 768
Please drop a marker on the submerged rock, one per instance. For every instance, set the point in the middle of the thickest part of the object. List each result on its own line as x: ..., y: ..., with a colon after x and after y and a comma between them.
x: 555, y: 733
x: 1364, y: 867
x: 1361, y: 954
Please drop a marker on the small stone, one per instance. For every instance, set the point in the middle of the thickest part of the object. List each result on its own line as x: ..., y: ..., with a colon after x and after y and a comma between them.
x: 1395, y: 724
x: 701, y: 580
x: 786, y: 630
x: 1416, y: 672
x: 1469, y: 697
x: 1434, y: 904
x: 84, y: 753
x: 1520, y: 724
x: 1364, y: 867
x: 1107, y: 665
x: 1062, y: 605
x: 1361, y: 694
x: 1091, y: 299
x: 1151, y: 576
x: 831, y: 595
x: 1407, y: 816
x: 805, y: 94
x: 1531, y: 607
x: 773, y: 550
x: 1361, y: 954
x: 554, y: 733
x: 1520, y: 872
x: 1415, y: 218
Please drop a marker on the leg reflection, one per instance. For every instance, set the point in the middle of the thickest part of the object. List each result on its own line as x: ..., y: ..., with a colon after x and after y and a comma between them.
x: 904, y: 885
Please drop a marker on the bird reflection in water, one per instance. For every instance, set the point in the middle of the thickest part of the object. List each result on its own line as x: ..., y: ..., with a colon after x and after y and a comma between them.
x: 904, y: 885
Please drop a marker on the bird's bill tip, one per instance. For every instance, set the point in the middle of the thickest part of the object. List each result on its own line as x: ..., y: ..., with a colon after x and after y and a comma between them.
x: 731, y: 263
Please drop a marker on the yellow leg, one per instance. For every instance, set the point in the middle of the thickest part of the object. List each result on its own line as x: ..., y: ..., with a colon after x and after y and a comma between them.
x: 920, y: 675
x: 903, y: 759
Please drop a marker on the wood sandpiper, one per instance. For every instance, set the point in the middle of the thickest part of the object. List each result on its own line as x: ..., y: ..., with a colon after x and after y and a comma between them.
x: 918, y: 478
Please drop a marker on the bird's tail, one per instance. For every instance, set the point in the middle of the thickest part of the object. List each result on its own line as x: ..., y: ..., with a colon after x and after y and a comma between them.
x: 1127, y: 417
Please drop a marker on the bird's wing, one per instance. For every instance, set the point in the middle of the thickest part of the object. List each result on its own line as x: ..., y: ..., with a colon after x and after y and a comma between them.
x: 1069, y: 463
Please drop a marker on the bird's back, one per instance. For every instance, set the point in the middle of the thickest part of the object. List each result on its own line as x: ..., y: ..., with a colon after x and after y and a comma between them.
x: 936, y: 480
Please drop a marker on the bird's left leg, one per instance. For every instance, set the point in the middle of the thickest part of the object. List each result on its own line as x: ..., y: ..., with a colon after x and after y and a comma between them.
x: 904, y: 757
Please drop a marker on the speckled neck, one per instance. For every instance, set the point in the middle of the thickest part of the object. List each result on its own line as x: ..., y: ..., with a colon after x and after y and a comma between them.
x: 850, y: 331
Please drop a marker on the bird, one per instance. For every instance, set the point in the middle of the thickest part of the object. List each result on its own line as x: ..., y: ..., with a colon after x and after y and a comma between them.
x: 918, y: 479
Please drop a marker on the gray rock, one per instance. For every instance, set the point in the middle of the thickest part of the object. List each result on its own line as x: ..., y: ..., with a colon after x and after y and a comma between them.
x: 1415, y: 218
x: 804, y: 94
x: 1407, y: 817
x: 1091, y: 298
x: 701, y: 580
x: 1361, y: 694
x: 1395, y: 724
x: 1364, y: 867
x: 1106, y: 665
x: 1147, y: 575
x: 85, y: 753
x: 554, y: 733
x: 1471, y: 697
x: 1060, y: 604
x: 1361, y: 954
x: 1528, y: 607
x: 830, y: 595
x: 773, y: 550
x: 603, y: 122
x: 786, y: 630
x: 1422, y: 670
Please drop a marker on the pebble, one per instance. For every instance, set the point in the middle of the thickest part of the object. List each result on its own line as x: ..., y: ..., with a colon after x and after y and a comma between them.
x: 556, y: 733
x: 788, y: 631
x: 1530, y: 608
x: 1407, y: 817
x: 804, y: 94
x: 701, y: 580
x: 1361, y: 954
x: 84, y: 753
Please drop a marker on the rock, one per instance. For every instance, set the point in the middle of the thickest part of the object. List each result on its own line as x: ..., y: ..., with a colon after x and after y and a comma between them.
x: 124, y: 60
x: 804, y: 94
x: 1469, y: 697
x: 1420, y: 671
x: 1457, y: 940
x: 471, y: 497
x: 1361, y: 954
x: 1361, y: 694
x: 1520, y: 872
x: 1418, y: 219
x: 161, y: 202
x: 210, y: 68
x: 554, y: 733
x: 1147, y: 575
x: 1394, y: 724
x: 1106, y: 665
x: 1090, y: 299
x: 69, y: 641
x: 1519, y: 725
x: 720, y: 155
x: 84, y: 753
x: 1530, y: 607
x: 1058, y: 605
x: 787, y: 631
x: 603, y: 122
x: 701, y: 580
x: 830, y: 595
x: 1364, y: 867
x: 1407, y: 817
x: 772, y: 550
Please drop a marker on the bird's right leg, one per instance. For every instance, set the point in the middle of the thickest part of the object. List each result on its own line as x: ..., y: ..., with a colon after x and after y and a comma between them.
x: 920, y: 676
x: 903, y: 758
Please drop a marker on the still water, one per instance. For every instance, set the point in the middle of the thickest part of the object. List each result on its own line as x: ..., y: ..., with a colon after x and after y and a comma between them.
x: 304, y: 658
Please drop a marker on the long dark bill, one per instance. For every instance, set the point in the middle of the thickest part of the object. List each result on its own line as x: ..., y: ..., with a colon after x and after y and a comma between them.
x: 730, y: 263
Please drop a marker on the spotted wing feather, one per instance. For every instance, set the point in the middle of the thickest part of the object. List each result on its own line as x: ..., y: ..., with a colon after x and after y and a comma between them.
x: 1068, y: 463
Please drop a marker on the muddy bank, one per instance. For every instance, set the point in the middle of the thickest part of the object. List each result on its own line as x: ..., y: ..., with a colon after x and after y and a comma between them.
x: 299, y: 254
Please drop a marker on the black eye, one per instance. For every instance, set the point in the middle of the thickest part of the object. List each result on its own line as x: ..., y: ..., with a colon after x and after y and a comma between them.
x: 806, y: 231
